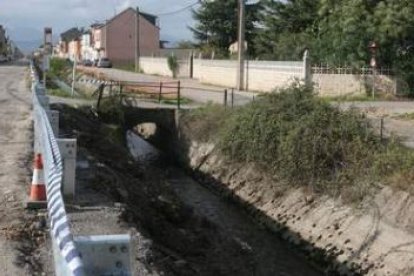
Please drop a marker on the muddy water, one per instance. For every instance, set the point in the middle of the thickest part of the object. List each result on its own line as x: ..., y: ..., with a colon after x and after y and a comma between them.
x: 269, y: 254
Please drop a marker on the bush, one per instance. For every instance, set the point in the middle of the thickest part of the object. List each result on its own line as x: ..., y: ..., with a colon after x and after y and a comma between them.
x: 59, y: 67
x: 302, y: 139
x: 173, y: 65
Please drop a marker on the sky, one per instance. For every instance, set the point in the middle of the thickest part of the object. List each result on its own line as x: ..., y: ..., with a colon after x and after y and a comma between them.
x: 25, y: 19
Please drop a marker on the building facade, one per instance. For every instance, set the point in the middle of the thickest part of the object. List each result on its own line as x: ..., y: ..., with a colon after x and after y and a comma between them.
x: 119, y: 36
x: 117, y: 39
x: 70, y: 44
x: 87, y: 50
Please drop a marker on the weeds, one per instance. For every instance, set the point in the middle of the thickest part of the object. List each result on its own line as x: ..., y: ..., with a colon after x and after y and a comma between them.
x: 304, y: 141
x: 58, y: 92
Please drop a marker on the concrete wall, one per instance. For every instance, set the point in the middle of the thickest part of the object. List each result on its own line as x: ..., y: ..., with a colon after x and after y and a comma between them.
x: 259, y: 75
x: 265, y: 76
x: 159, y: 66
x: 334, y: 85
x: 155, y: 66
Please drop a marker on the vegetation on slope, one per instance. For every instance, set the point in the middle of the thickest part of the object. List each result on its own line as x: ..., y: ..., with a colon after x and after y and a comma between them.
x: 303, y: 140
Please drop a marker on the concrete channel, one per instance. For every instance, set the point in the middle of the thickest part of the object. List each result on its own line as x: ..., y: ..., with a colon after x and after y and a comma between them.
x: 266, y: 254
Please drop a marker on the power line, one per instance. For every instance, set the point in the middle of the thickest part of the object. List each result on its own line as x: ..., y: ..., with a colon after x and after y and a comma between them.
x: 179, y: 10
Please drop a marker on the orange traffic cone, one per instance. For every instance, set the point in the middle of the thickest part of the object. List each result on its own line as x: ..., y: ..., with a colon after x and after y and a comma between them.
x: 38, y: 189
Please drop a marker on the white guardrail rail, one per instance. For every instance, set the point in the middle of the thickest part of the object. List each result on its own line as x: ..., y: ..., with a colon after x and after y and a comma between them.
x: 102, y: 255
x: 67, y: 258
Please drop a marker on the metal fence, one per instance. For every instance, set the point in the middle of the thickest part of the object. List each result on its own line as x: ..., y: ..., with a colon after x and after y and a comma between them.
x: 67, y: 258
x: 356, y: 81
x: 348, y: 70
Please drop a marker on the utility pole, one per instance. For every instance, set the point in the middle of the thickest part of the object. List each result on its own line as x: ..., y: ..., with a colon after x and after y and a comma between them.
x: 241, y: 48
x: 137, y: 52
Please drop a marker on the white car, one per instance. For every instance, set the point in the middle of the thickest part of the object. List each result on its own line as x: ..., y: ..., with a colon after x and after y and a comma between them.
x: 3, y: 58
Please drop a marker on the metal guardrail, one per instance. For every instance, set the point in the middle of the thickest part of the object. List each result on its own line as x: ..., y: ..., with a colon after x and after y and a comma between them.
x: 66, y: 255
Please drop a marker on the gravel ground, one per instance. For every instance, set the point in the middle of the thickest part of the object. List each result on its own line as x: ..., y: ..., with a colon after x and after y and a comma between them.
x: 23, y: 250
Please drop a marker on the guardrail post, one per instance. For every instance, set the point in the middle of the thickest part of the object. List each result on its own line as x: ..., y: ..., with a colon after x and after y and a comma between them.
x: 54, y: 121
x: 67, y: 148
x: 106, y: 255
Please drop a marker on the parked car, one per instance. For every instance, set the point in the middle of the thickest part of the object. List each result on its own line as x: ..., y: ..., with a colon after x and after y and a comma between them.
x: 3, y: 58
x: 104, y: 63
x: 95, y: 62
x: 87, y: 62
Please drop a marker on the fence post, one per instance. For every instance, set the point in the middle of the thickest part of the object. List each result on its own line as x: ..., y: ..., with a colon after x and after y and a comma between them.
x: 232, y: 97
x: 382, y: 128
x: 374, y: 73
x: 191, y: 65
x: 225, y: 98
x: 67, y: 148
x: 160, y: 93
x: 101, y: 90
x: 179, y: 95
x: 120, y: 94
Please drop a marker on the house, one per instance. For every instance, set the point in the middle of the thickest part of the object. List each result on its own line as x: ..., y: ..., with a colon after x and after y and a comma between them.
x: 87, y: 50
x: 70, y: 44
x: 97, y: 44
x: 118, y: 36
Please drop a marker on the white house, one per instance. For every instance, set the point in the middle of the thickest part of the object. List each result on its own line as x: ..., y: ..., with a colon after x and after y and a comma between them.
x: 87, y: 49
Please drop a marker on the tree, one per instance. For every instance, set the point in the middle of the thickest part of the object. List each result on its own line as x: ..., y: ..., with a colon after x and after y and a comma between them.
x: 286, y: 28
x: 344, y: 32
x: 394, y: 29
x: 217, y: 25
x: 173, y: 65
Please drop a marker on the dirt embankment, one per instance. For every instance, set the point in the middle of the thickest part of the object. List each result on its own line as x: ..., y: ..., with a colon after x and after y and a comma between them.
x: 374, y: 238
x: 183, y: 239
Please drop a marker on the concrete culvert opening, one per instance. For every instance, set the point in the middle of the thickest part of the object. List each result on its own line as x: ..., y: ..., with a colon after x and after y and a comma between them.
x: 147, y: 131
x: 141, y: 140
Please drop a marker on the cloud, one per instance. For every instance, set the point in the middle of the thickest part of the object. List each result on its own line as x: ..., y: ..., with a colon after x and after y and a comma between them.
x: 62, y: 15
x: 122, y: 5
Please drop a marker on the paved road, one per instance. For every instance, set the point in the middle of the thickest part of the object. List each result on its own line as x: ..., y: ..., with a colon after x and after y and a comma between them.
x: 192, y: 89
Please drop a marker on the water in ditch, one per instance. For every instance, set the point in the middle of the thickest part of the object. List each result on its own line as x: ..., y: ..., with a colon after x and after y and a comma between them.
x: 267, y: 253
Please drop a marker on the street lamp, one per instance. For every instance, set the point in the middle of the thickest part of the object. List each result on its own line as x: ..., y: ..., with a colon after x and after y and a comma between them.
x: 373, y: 48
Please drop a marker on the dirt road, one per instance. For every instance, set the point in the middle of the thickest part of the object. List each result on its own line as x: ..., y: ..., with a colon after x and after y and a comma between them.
x: 15, y: 155
x: 191, y: 88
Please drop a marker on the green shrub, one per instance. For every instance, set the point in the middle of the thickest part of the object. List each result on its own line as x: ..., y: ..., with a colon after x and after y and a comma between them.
x: 173, y: 65
x: 302, y: 139
x: 204, y: 123
x: 59, y: 67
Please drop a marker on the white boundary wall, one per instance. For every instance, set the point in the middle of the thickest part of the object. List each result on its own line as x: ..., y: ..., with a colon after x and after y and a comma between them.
x: 259, y: 75
x: 159, y: 66
x: 265, y: 76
